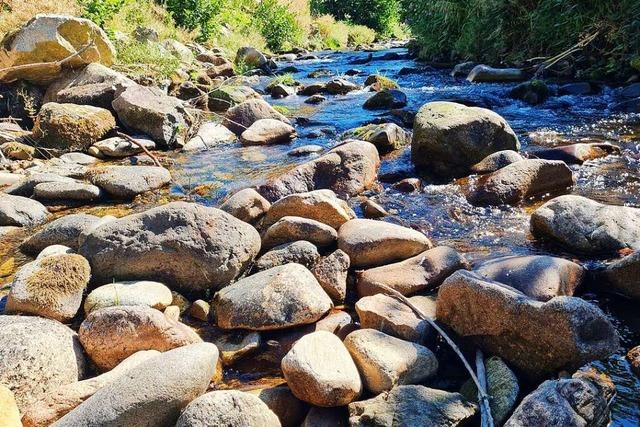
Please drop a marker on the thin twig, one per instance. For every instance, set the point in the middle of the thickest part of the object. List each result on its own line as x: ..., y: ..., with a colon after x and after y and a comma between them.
x: 139, y: 144
x: 486, y: 420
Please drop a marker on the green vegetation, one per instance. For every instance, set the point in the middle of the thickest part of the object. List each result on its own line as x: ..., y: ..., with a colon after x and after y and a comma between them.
x: 278, y: 25
x: 146, y: 59
x: 380, y: 15
x: 194, y: 14
x: 285, y: 79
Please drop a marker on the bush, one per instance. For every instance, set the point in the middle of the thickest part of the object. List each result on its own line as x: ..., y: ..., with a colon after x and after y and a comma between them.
x: 277, y: 24
x: 380, y: 15
x: 361, y: 35
x: 195, y: 14
x: 146, y: 59
x: 101, y: 11
x: 331, y: 33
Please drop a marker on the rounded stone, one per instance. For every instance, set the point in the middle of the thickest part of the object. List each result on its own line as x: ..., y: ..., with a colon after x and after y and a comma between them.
x: 147, y: 293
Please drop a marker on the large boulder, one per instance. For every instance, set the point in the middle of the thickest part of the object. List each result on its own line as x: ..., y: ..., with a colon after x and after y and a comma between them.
x: 278, y: 298
x: 126, y: 182
x: 425, y: 271
x: 250, y: 57
x: 211, y: 249
x: 209, y: 135
x: 386, y: 99
x: 299, y: 252
x: 37, y: 355
x: 70, y: 127
x: 586, y: 226
x: 143, y: 292
x: 522, y: 181
x: 449, y: 138
x: 150, y: 111
x: 9, y: 412
x: 53, y: 38
x: 537, y: 276
x: 319, y: 370
x: 348, y: 170
x: 51, y: 287
x: 228, y: 96
x: 97, y: 95
x: 319, y: 205
x: 622, y: 277
x: 228, y: 408
x: 152, y: 394
x: 386, y: 137
x: 92, y: 74
x: 21, y: 211
x: 539, y: 338
x: 496, y: 161
x: 412, y: 405
x: 66, y: 191
x: 371, y: 243
x: 294, y: 228
x: 240, y: 117
x: 485, y: 74
x: 110, y: 335
x: 267, y: 132
x: 247, y: 205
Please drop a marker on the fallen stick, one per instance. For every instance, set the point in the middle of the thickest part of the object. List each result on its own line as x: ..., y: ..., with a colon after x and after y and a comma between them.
x: 485, y: 421
x: 147, y: 152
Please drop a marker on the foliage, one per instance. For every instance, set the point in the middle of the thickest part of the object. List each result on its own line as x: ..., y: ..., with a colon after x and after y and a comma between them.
x: 195, y: 14
x: 277, y: 24
x: 380, y: 15
x: 330, y: 33
x: 148, y: 59
x: 101, y: 11
x: 285, y: 79
x: 15, y: 13
x: 360, y: 35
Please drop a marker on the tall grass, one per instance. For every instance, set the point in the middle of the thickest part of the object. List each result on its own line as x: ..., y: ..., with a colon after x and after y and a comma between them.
x: 15, y: 13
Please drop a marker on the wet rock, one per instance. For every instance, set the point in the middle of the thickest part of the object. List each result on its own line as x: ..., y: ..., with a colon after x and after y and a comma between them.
x: 326, y: 417
x: 293, y: 228
x: 277, y: 298
x: 209, y: 135
x: 150, y: 111
x: 586, y: 226
x: 251, y: 57
x: 486, y: 74
x: 239, y: 118
x: 631, y: 91
x: 388, y: 315
x: 521, y: 182
x: 496, y: 161
x: 408, y: 185
x: 9, y: 412
x: 622, y: 277
x: 120, y: 147
x: 424, y: 271
x: 48, y: 38
x: 412, y: 405
x: 306, y: 150
x: 378, y: 83
x: 62, y: 231
x: 312, y: 89
x: 634, y: 359
x: 348, y: 170
x: 582, y: 400
x: 386, y: 137
x: 463, y: 69
x: 36, y: 356
x: 236, y: 345
x: 21, y: 211
x: 537, y: 276
x: 200, y: 310
x: 201, y: 256
x: 538, y: 338
x: 577, y: 153
x: 372, y: 210
x: 50, y: 287
x: 71, y: 127
x: 449, y: 138
x: 126, y: 182
x: 228, y: 408
x: 385, y: 361
x: 60, y: 401
x: 340, y: 86
x: 533, y: 92
x: 386, y: 99
x: 370, y: 242
x: 628, y: 106
x: 319, y: 205
x: 150, y: 393
x: 319, y: 370
x: 577, y: 89
x: 75, y: 191
x: 315, y: 99
x: 92, y: 74
x: 289, y: 409
x: 247, y: 205
x: 96, y: 95
x: 268, y: 131
x: 228, y: 96
x: 331, y: 272
x: 150, y: 294
x: 282, y: 91
x: 110, y: 335
x: 299, y: 252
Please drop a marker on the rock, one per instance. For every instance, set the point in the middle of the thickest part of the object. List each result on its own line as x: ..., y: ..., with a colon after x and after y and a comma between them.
x: 26, y: 185
x: 76, y: 191
x: 54, y: 250
x: 628, y: 106
x: 228, y: 408
x: 92, y: 74
x: 178, y: 50
x: 209, y: 136
x: 235, y: 345
x: 315, y: 99
x: 79, y: 158
x: 17, y: 151
x: 385, y: 361
x: 312, y: 89
x: 372, y: 210
x: 20, y: 100
x: 463, y: 69
x: 408, y: 185
x: 533, y: 92
x: 522, y: 181
x: 622, y: 277
x: 268, y: 131
x: 412, y: 405
x: 110, y: 335
x: 37, y: 355
x: 150, y: 394
x: 577, y: 89
x: 251, y: 57
x: 200, y: 310
x: 47, y: 39
x: 300, y: 252
x: 21, y: 211
x: 60, y: 401
x: 496, y: 161
x: 537, y: 276
x: 70, y: 127
x: 289, y: 409
x: 586, y: 226
x: 631, y: 91
x: 582, y: 400
x: 386, y: 99
x: 486, y: 74
x: 577, y: 153
x: 96, y: 95
x: 277, y: 298
x: 319, y: 370
x: 150, y: 294
x: 201, y: 255
x: 9, y: 179
x: 293, y: 228
x: 449, y: 138
x: 386, y: 137
x: 425, y: 271
x: 150, y: 111
x: 319, y: 205
x: 228, y: 96
x: 240, y: 117
x: 326, y: 417
x: 126, y: 182
x: 50, y: 287
x: 378, y: 83
x: 247, y: 205
x: 306, y: 150
x: 347, y: 169
x: 331, y: 272
x: 386, y: 314
x: 120, y: 147
x: 9, y: 412
x: 634, y: 359
x: 62, y: 231
x: 539, y: 338
x: 282, y: 91
x: 370, y: 242
x: 340, y: 86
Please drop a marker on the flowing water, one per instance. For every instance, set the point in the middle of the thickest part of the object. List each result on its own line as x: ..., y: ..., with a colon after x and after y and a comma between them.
x: 440, y: 210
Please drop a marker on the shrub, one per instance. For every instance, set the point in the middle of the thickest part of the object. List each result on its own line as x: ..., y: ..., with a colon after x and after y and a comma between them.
x: 380, y: 15
x: 278, y: 25
x: 146, y: 59
x: 195, y: 14
x: 331, y: 33
x: 101, y: 11
x: 361, y: 35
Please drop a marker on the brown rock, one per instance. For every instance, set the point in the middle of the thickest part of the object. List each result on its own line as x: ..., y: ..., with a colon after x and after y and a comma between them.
x: 247, y: 205
x: 293, y: 228
x: 331, y: 272
x: 268, y: 131
x: 319, y: 205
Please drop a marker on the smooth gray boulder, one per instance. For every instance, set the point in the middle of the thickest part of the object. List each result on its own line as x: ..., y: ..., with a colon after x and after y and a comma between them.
x: 267, y: 132
x: 126, y: 182
x: 247, y: 205
x: 143, y: 292
x: 294, y: 228
x: 71, y: 191
x: 21, y: 211
x: 496, y: 161
x: 62, y: 231
x: 299, y: 252
x: 239, y: 118
x: 622, y: 277
x: 485, y: 74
